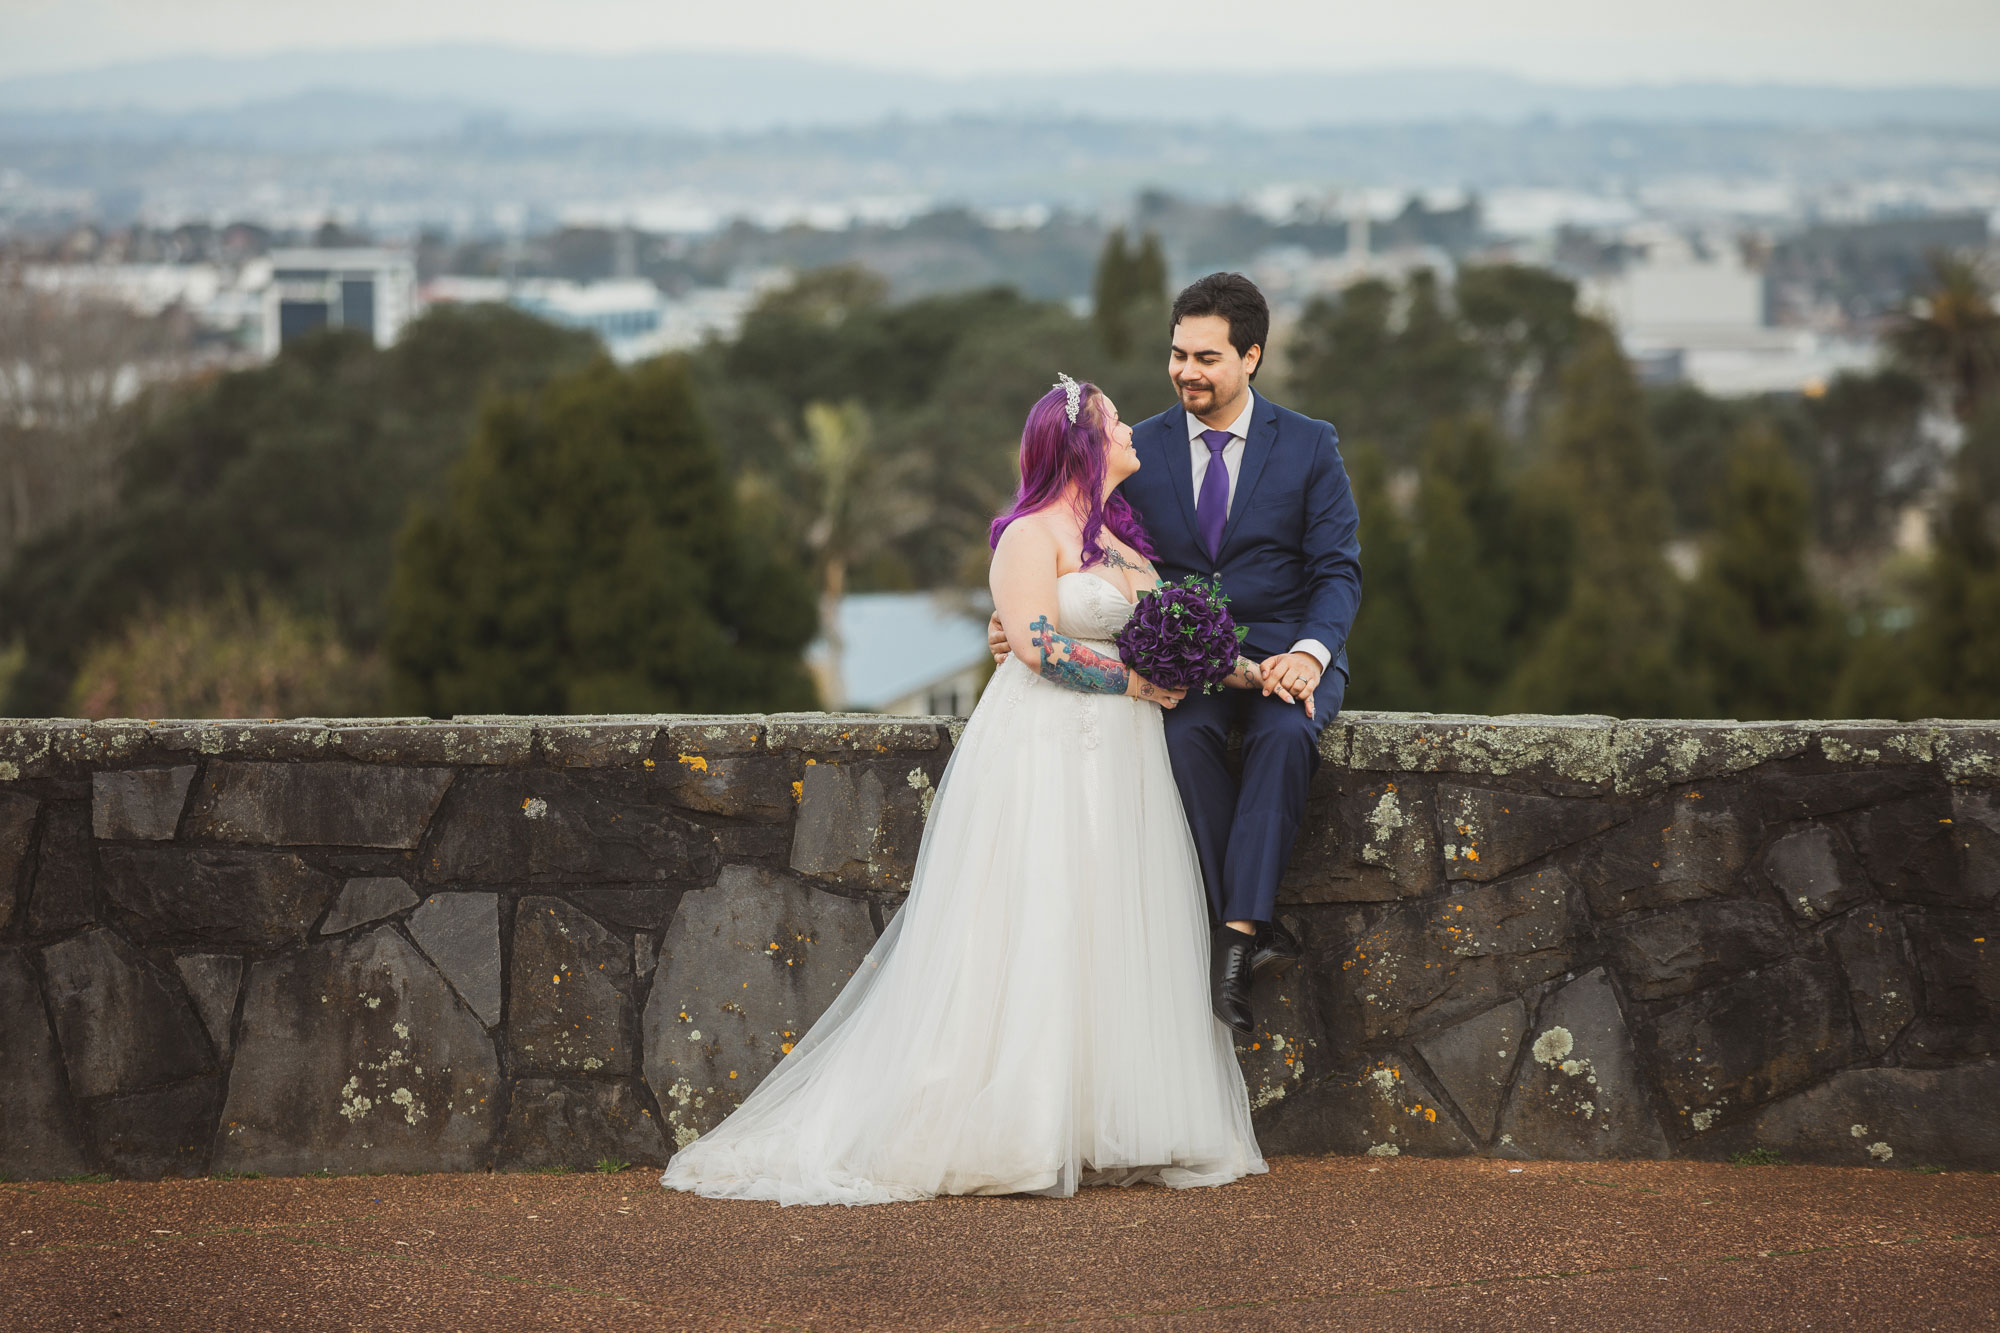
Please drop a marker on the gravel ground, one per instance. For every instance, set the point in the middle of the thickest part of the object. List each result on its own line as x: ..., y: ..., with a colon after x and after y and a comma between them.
x: 1319, y: 1243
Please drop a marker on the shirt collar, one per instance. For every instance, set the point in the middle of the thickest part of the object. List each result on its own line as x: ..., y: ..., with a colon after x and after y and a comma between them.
x: 1240, y: 427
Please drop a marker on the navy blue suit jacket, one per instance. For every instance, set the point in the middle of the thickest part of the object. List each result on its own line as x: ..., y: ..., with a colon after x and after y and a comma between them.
x: 1290, y: 559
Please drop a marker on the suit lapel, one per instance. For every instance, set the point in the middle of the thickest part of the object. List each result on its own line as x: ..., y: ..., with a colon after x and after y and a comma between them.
x: 1256, y: 452
x: 1179, y: 460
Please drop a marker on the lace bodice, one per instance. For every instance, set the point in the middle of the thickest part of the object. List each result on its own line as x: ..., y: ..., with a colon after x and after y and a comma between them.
x: 1089, y: 608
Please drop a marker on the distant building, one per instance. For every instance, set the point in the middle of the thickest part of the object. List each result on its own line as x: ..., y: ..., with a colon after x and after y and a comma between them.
x: 910, y: 654
x: 1700, y: 314
x: 632, y: 317
x: 371, y: 291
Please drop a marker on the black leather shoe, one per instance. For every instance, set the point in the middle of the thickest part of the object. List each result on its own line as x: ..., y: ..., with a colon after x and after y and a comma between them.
x: 1229, y: 975
x: 1275, y: 947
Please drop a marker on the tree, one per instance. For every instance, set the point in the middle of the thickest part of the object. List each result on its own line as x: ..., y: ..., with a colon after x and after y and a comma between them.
x: 1383, y: 364
x: 853, y: 500
x: 293, y: 477
x: 237, y: 656
x: 1759, y: 638
x: 1464, y: 569
x: 1384, y: 647
x: 1130, y: 284
x: 1870, y: 455
x: 1955, y: 643
x: 1952, y: 334
x: 592, y: 557
x: 1611, y: 648
x: 1343, y: 366
x: 1525, y: 319
x: 67, y: 363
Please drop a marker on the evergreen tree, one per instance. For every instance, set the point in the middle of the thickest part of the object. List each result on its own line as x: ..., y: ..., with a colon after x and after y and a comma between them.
x: 1952, y: 334
x: 1149, y: 273
x: 1130, y: 293
x: 592, y: 558
x: 1112, y: 298
x: 1383, y: 648
x: 291, y: 478
x: 1383, y: 364
x: 1343, y: 366
x: 1463, y: 573
x: 1759, y: 639
x: 1956, y: 640
x: 1870, y: 457
x: 1526, y: 321
x: 1611, y: 648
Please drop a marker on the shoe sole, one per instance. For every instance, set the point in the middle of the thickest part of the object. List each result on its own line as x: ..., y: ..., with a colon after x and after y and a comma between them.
x: 1272, y: 964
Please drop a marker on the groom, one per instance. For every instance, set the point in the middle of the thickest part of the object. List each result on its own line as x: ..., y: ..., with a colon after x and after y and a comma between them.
x: 1232, y: 485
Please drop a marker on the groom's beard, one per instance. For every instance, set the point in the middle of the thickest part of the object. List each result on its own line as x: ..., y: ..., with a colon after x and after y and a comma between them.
x: 1192, y: 398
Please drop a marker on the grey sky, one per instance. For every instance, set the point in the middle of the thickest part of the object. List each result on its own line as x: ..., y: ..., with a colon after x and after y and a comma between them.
x: 1865, y: 42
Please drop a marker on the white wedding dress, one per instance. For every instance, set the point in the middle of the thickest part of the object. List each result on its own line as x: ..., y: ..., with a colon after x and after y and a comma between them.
x: 1036, y: 1016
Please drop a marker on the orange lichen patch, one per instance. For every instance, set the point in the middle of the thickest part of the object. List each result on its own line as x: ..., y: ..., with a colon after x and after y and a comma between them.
x: 732, y: 1073
x: 1430, y: 1113
x: 648, y: 763
x: 798, y: 792
x: 695, y: 762
x: 785, y: 1048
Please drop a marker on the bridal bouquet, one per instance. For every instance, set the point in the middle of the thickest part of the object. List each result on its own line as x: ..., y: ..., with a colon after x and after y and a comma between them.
x: 1181, y: 635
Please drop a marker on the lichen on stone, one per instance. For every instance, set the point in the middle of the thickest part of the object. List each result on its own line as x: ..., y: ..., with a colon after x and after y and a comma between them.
x: 1552, y: 1046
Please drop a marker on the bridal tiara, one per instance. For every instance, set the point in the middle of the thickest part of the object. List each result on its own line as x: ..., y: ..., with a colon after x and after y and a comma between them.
x: 1072, y: 395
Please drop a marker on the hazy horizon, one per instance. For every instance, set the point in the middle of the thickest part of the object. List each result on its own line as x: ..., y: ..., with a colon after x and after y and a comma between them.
x: 1845, y: 43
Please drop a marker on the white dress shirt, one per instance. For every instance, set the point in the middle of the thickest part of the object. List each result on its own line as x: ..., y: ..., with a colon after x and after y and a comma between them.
x: 1232, y: 460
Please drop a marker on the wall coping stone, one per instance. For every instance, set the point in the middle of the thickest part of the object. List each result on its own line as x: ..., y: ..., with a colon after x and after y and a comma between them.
x: 1629, y: 756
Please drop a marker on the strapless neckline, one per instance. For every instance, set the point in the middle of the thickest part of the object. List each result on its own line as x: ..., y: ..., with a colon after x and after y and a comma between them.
x: 1108, y: 584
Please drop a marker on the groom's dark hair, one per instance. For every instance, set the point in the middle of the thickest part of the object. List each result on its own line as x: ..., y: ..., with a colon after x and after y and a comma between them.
x: 1236, y: 299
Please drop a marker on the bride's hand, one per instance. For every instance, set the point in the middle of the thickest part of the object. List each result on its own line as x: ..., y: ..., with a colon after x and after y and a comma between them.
x: 996, y: 640
x: 1138, y: 687
x: 1246, y: 676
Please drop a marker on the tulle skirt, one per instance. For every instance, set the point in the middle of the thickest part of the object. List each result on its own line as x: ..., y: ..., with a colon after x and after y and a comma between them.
x: 1036, y: 1016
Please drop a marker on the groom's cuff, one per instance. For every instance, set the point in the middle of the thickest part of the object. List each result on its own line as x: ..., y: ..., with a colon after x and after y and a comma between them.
x: 1316, y: 650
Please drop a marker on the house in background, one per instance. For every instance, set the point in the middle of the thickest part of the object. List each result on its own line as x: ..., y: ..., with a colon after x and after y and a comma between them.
x: 910, y: 654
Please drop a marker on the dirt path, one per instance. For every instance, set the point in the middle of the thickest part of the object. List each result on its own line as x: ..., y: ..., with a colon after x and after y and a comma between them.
x: 1320, y: 1243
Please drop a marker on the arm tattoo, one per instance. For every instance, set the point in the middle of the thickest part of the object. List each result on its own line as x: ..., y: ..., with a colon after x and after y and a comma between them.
x: 1069, y: 663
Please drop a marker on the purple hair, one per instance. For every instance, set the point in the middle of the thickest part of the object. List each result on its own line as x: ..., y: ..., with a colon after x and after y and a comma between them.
x: 1056, y: 455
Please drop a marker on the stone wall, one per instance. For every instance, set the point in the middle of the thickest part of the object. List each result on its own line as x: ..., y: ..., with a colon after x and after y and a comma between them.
x: 393, y: 945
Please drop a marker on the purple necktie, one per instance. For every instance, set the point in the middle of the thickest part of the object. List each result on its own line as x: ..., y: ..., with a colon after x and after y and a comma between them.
x: 1211, y: 507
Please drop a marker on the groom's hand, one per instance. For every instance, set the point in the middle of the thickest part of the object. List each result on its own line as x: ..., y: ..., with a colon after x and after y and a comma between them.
x: 996, y: 640
x: 1294, y: 676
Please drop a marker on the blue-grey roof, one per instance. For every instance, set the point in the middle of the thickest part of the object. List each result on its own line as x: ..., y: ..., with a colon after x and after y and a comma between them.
x: 897, y: 642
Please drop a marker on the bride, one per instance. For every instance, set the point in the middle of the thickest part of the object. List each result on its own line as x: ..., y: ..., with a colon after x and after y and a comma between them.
x: 1036, y: 1017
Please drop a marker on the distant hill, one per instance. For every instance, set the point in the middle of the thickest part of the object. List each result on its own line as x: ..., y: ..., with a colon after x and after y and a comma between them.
x: 358, y: 96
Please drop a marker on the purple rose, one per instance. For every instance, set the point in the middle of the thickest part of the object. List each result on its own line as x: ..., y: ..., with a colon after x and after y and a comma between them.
x: 1181, y: 636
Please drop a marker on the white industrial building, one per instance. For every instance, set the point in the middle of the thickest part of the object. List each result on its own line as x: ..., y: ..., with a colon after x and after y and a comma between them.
x: 371, y: 291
